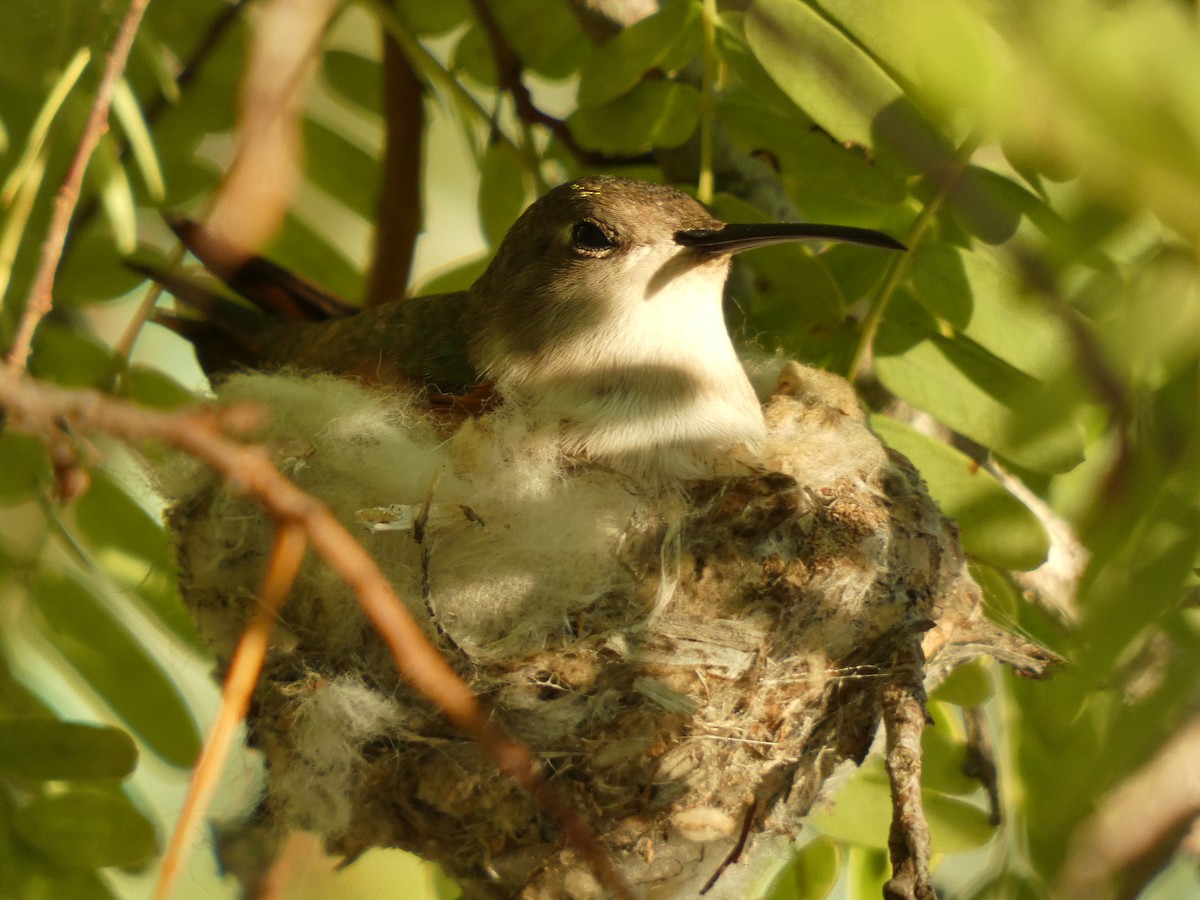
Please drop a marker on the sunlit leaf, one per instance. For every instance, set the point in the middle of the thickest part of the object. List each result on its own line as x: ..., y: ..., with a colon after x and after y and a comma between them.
x: 821, y: 69
x: 654, y: 114
x: 862, y: 813
x: 981, y: 397
x: 69, y: 358
x: 117, y: 667
x: 967, y: 686
x: 26, y: 468
x: 545, y: 34
x: 810, y: 157
x: 128, y: 112
x: 505, y: 189
x: 47, y: 749
x: 618, y: 64
x: 811, y: 873
x: 154, y: 388
x: 341, y: 168
x: 90, y: 829
x: 133, y: 549
x: 473, y: 58
x: 423, y: 17
x: 944, y: 752
x: 356, y: 78
x: 51, y: 106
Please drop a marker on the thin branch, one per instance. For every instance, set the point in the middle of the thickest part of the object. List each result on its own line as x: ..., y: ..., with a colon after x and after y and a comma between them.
x: 508, y: 74
x: 244, y: 669
x: 398, y: 210
x: 904, y: 720
x: 42, y: 409
x: 40, y: 298
x: 160, y: 102
x: 947, y: 180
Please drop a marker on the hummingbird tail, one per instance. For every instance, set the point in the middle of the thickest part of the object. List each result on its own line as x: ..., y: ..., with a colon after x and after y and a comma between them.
x: 231, y: 333
x: 225, y: 333
x: 268, y: 286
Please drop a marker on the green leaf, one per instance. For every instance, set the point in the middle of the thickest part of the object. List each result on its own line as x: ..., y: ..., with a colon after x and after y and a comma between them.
x: 69, y: 358
x: 117, y: 667
x: 811, y: 874
x: 981, y: 397
x: 981, y: 296
x: 26, y: 468
x: 996, y: 527
x: 505, y: 189
x: 89, y: 829
x: 36, y: 139
x: 822, y: 70
x: 425, y: 18
x: 134, y: 550
x: 867, y: 871
x: 862, y: 814
x: 654, y: 114
x: 473, y: 57
x: 154, y: 388
x: 298, y: 246
x: 355, y: 78
x: 944, y: 752
x: 616, y: 66
x: 47, y: 749
x: 95, y: 270
x: 809, y: 158
x: 967, y: 686
x: 133, y: 123
x: 341, y: 168
x: 545, y: 34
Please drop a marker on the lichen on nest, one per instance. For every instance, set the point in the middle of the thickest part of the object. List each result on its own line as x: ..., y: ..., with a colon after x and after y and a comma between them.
x: 683, y: 662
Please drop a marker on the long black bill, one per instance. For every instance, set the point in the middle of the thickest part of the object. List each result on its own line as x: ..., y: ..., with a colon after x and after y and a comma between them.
x: 735, y: 238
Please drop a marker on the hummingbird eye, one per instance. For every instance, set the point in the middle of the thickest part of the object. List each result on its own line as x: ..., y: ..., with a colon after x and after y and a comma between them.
x: 589, y: 238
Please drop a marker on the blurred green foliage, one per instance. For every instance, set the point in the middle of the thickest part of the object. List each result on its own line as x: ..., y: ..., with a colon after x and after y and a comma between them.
x: 1040, y: 159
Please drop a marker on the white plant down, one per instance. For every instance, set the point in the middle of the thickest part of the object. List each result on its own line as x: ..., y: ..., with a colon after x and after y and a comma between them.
x: 668, y: 651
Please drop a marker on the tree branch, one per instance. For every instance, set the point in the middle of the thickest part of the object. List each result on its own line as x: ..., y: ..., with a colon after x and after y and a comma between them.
x: 40, y: 298
x: 398, y: 210
x: 203, y: 433
x: 244, y: 669
x: 508, y: 74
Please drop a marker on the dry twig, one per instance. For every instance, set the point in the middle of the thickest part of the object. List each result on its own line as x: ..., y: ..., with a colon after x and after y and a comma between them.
x: 398, y: 207
x: 508, y: 74
x: 43, y: 410
x: 244, y: 669
x: 904, y: 720
x: 40, y: 298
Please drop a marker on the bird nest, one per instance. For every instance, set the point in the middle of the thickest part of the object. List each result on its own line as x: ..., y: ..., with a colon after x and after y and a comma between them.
x: 689, y: 666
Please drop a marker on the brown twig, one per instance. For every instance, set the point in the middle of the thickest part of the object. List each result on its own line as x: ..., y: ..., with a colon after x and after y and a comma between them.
x: 40, y: 298
x: 244, y: 668
x: 398, y: 210
x: 508, y: 74
x: 41, y: 409
x: 981, y: 762
x: 154, y: 108
x: 904, y: 720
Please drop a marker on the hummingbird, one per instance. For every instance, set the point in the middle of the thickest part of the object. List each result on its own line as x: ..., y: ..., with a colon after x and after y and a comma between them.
x: 601, y: 311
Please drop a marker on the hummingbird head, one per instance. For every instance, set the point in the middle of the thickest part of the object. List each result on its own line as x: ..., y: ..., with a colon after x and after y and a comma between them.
x: 603, y: 305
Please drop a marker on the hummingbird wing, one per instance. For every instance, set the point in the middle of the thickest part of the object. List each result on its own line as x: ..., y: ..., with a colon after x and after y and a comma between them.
x: 272, y: 318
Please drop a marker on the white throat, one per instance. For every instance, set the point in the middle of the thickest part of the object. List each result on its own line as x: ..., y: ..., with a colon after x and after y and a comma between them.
x: 655, y: 388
